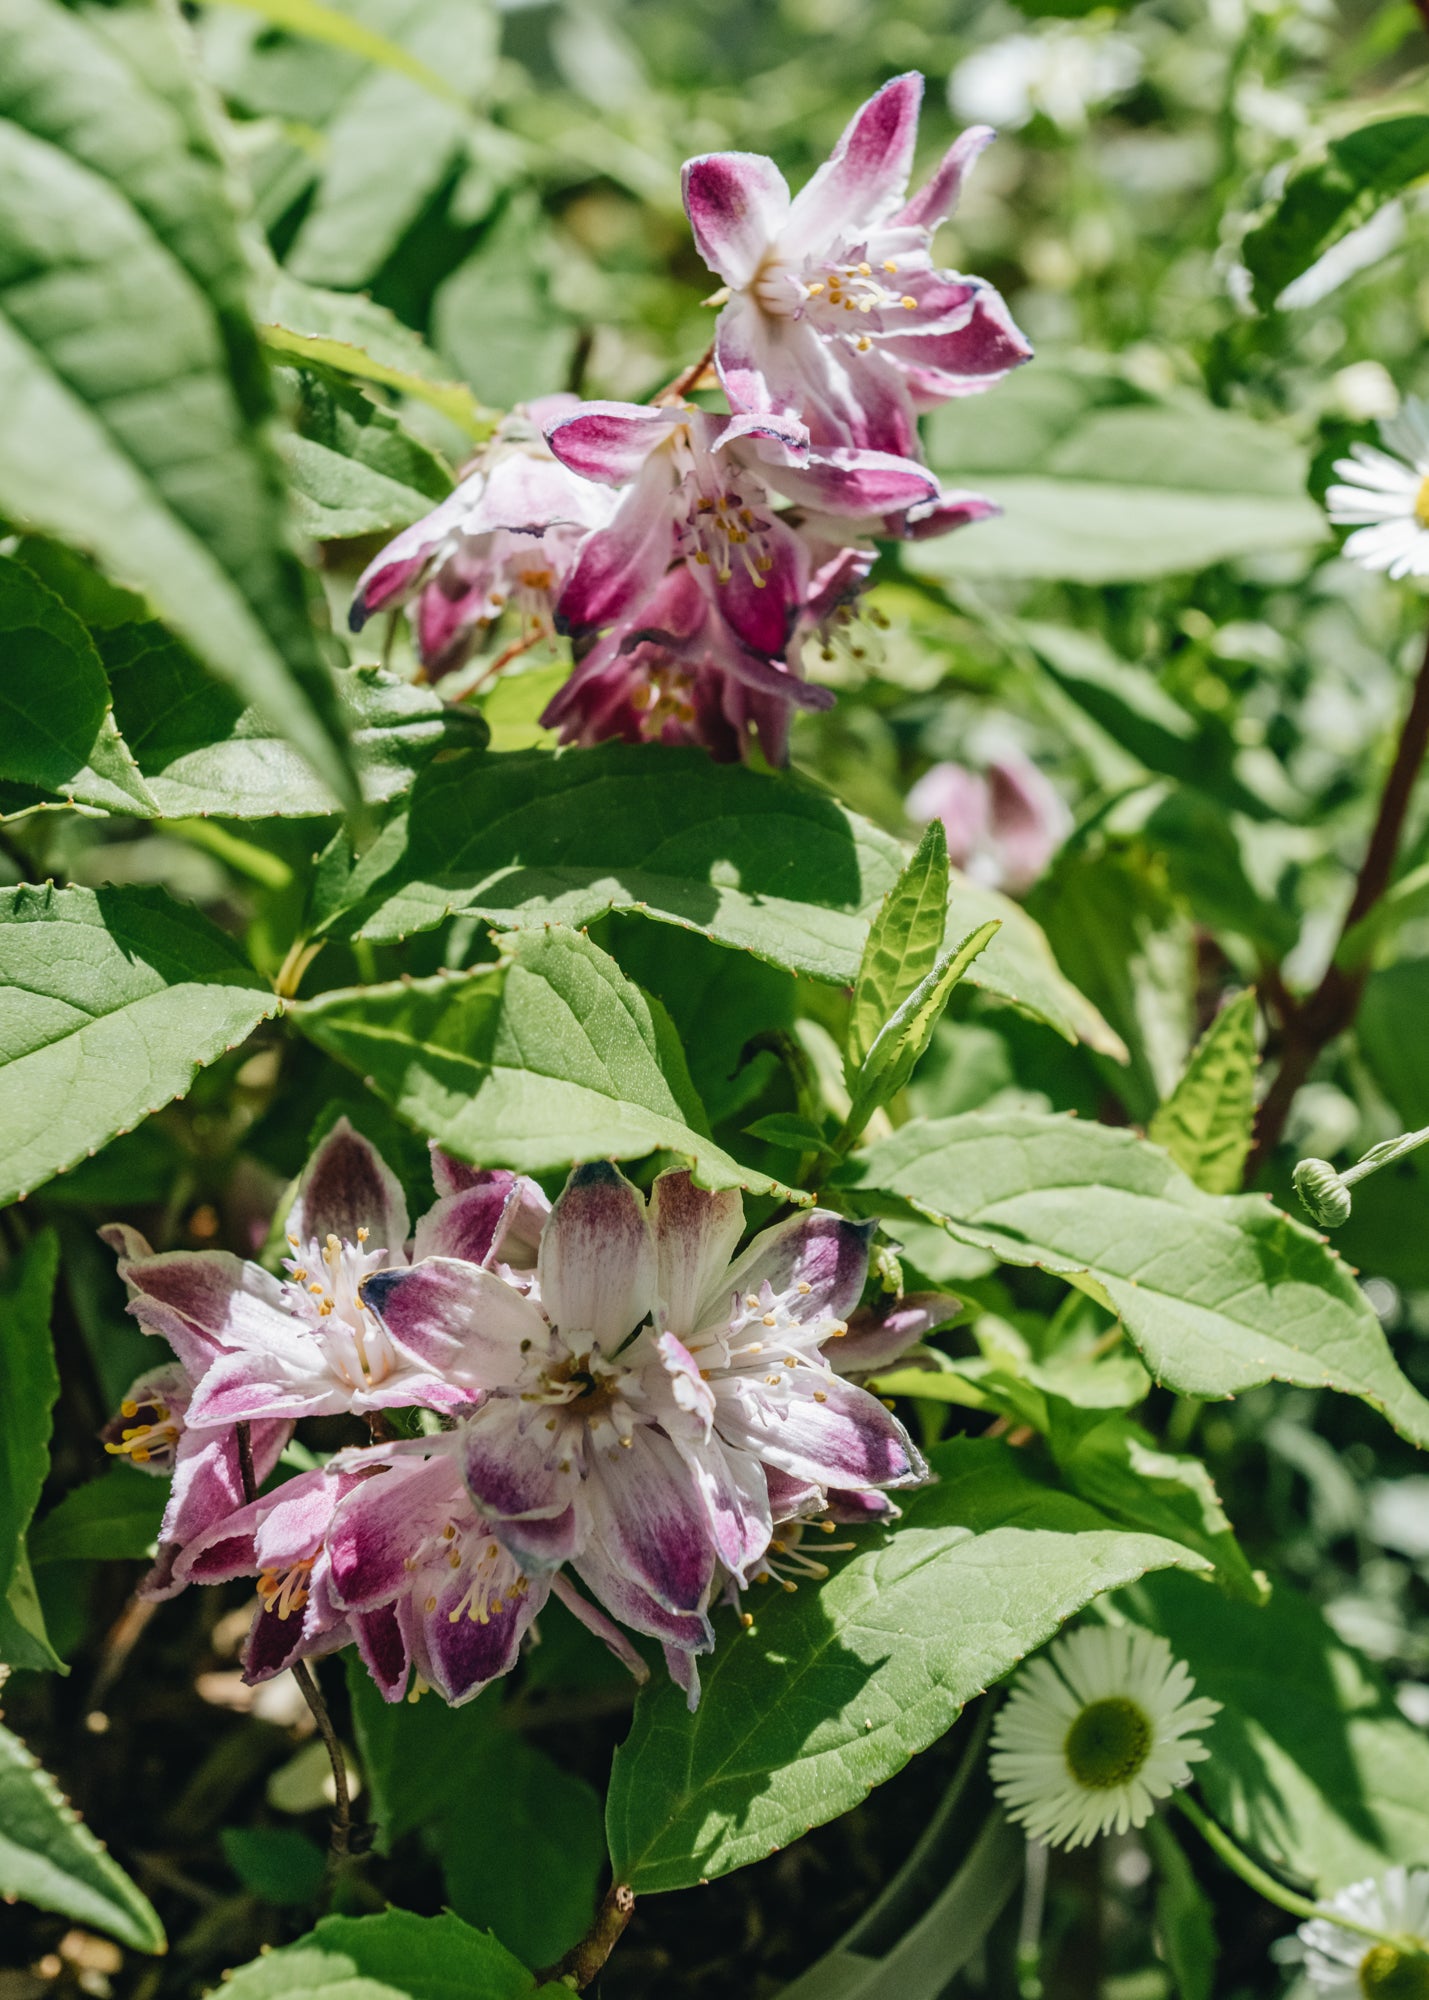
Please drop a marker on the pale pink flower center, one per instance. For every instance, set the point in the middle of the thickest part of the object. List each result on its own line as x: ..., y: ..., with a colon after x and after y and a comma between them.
x: 325, y: 1292
x: 834, y: 294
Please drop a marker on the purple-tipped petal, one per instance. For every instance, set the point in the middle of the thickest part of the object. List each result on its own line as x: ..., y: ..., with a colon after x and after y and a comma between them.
x: 863, y: 1510
x: 840, y: 482
x: 846, y: 1440
x: 513, y: 1468
x: 936, y: 200
x: 465, y: 1226
x: 878, y: 1334
x: 949, y: 512
x: 622, y: 563
x: 864, y: 177
x: 462, y: 1653
x: 824, y: 1251
x: 382, y: 1520
x: 684, y: 1671
x: 610, y: 442
x: 293, y: 1521
x: 645, y: 1514
x: 604, y: 1629
x: 521, y: 1229
x: 461, y: 1321
x: 606, y: 1578
x: 383, y: 1649
x: 541, y: 1544
x: 390, y: 576
x: 596, y: 1267
x: 792, y: 1499
x: 737, y: 204
x: 347, y: 1186
x: 734, y: 1496
x: 204, y: 1302
x: 970, y: 356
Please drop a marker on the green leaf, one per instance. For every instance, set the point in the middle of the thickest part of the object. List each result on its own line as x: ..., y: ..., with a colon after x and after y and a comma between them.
x: 49, y: 1858
x: 396, y: 1956
x: 906, y: 1034
x: 496, y: 315
x: 313, y: 20
x: 1185, y: 1920
x: 1390, y: 1028
x: 1219, y: 1292
x: 767, y: 864
x: 29, y: 1385
x: 548, y: 1058
x: 903, y: 943
x: 110, y: 1000
x: 1206, y: 1124
x: 277, y: 1863
x: 789, y: 1130
x: 1331, y: 196
x: 353, y: 337
x: 1101, y: 485
x: 123, y: 219
x: 57, y: 729
x: 1312, y: 1765
x: 202, y: 752
x: 835, y: 1688
x: 354, y: 468
x: 114, y: 1518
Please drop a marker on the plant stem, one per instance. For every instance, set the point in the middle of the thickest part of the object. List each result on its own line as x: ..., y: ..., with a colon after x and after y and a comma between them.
x: 1265, y: 1884
x: 1331, y: 1008
x: 584, y: 1960
x: 675, y: 391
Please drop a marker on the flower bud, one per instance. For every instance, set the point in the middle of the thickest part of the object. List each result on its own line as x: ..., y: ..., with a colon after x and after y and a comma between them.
x: 1322, y: 1193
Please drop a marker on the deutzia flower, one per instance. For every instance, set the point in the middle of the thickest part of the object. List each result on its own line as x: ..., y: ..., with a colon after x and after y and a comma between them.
x: 1342, y: 1965
x: 1095, y: 1732
x: 1003, y: 824
x: 1386, y: 498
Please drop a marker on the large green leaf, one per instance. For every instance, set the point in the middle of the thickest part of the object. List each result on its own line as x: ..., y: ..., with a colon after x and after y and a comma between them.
x: 1312, y: 1765
x: 550, y: 1057
x: 1219, y: 1292
x: 354, y: 468
x: 138, y: 402
x: 835, y: 1688
x: 396, y: 1956
x: 57, y: 728
x: 114, y: 1518
x: 1102, y: 485
x: 49, y: 1858
x: 767, y: 864
x: 202, y: 752
x: 1207, y: 1122
x: 110, y: 1000
x: 29, y: 1384
x: 1332, y: 195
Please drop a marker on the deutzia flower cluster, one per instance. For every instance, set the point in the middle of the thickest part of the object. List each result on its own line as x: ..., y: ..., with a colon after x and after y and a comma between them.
x: 689, y: 556
x: 622, y: 1410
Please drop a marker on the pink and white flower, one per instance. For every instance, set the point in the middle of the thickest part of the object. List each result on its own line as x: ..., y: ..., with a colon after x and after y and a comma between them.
x: 505, y: 539
x: 836, y: 314
x: 1003, y: 824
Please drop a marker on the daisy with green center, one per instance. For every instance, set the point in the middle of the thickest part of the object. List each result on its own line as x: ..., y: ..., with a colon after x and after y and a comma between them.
x: 1385, y: 497
x: 1095, y: 1733
x: 1343, y: 1964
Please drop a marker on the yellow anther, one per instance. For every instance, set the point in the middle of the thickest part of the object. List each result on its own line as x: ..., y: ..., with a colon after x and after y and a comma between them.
x: 803, y: 1288
x: 865, y: 270
x: 448, y: 1532
x: 819, y: 1396
x: 908, y: 303
x: 816, y: 288
x: 863, y: 343
x: 890, y: 265
x: 363, y: 1234
x: 294, y: 1241
x: 430, y: 1605
x: 771, y: 1319
x: 315, y: 1287
x: 128, y: 1408
x: 139, y: 1455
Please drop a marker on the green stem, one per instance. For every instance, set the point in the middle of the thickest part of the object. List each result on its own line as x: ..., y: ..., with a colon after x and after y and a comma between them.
x: 1265, y: 1884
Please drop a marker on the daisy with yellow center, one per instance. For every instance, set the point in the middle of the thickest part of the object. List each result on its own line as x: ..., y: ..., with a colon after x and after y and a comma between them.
x: 1347, y: 1965
x: 1095, y: 1733
x: 1385, y: 496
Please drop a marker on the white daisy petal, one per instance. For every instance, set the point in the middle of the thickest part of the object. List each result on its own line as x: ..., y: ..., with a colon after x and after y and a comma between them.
x: 1095, y: 1732
x: 1386, y: 499
x: 1341, y: 1965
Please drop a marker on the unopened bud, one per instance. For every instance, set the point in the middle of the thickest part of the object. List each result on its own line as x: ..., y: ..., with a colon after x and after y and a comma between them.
x: 1322, y: 1193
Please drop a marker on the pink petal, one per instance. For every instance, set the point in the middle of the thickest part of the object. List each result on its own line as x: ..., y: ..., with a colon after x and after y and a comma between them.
x: 383, y: 1648
x: 389, y: 576
x: 878, y: 1334
x: 735, y: 1499
x: 737, y: 204
x: 596, y: 1621
x: 865, y: 175
x: 608, y: 1579
x: 611, y: 442
x: 948, y: 512
x: 347, y: 1186
x: 596, y: 1268
x: 969, y: 357
x: 620, y: 564
x: 646, y: 1517
x: 466, y: 1226
x: 462, y: 1655
x: 514, y: 1469
x: 293, y: 1521
x: 824, y: 1251
x: 848, y: 1440
x: 285, y: 1378
x: 838, y: 481
x: 938, y: 196
x: 384, y: 1519
x: 464, y: 1322
x: 204, y: 1302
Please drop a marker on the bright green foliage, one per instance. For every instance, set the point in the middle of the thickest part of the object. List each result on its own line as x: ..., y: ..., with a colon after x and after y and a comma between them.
x: 836, y: 1687
x: 396, y: 1956
x: 903, y: 943
x: 113, y: 1518
x: 1100, y: 485
x: 29, y: 1385
x: 905, y: 1035
x: 155, y: 258
x: 1218, y: 1291
x: 763, y: 863
x: 550, y: 1057
x: 49, y: 1858
x: 1334, y: 194
x: 109, y: 1002
x: 355, y: 469
x: 1207, y: 1122
x: 1313, y: 1766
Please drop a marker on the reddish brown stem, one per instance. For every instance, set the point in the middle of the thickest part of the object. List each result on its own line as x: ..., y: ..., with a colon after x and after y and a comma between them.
x: 1331, y: 1008
x: 676, y: 391
x: 584, y: 1960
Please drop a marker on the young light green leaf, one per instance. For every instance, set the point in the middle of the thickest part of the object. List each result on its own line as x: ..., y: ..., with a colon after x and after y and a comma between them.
x: 835, y: 1689
x: 57, y: 727
x: 789, y: 1130
x: 123, y: 218
x: 395, y: 1956
x: 1219, y: 1292
x: 24, y: 1641
x: 29, y: 1384
x: 550, y: 1057
x: 114, y: 1518
x: 319, y: 23
x: 47, y: 1857
x: 1324, y: 200
x: 1206, y: 1124
x: 908, y: 1030
x: 904, y: 940
x: 354, y: 468
x: 453, y: 399
x: 110, y: 1000
x: 1312, y: 1765
x: 763, y: 863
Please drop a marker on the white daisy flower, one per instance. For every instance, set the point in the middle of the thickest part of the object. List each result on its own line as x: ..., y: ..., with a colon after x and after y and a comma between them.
x: 1341, y: 1965
x: 1095, y: 1732
x: 1386, y: 497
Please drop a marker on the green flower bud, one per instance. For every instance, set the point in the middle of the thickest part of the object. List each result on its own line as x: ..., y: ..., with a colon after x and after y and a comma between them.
x: 1322, y: 1193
